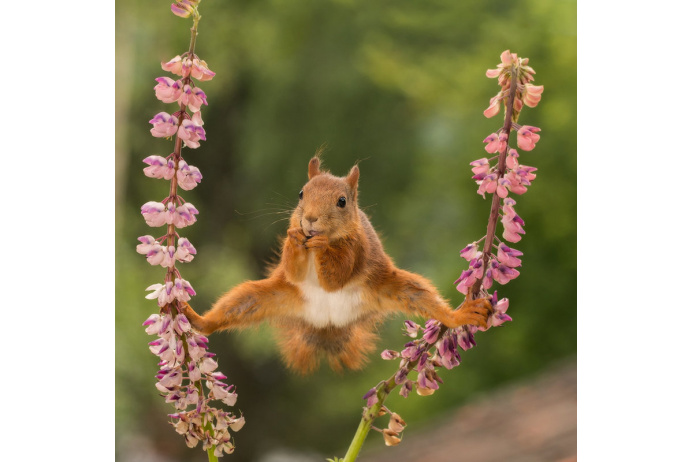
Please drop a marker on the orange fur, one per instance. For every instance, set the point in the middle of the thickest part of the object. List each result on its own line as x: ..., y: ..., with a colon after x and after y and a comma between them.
x: 334, y: 283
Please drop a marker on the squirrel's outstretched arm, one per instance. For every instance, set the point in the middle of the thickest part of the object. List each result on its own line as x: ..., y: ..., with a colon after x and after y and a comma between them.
x: 246, y: 304
x: 414, y: 294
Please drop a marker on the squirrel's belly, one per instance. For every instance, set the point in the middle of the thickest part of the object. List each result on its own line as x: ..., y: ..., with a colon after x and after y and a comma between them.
x: 321, y: 308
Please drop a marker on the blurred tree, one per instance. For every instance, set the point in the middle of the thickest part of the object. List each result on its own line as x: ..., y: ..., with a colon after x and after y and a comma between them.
x: 397, y: 86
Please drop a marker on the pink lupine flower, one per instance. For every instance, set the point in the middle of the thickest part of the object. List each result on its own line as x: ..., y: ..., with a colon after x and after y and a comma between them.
x: 518, y: 184
x: 488, y: 185
x: 165, y: 125
x: 512, y: 159
x: 184, y: 215
x: 494, y: 104
x: 147, y: 244
x: 527, y: 137
x: 183, y: 8
x: 193, y: 98
x: 430, y: 334
x: 465, y: 337
x: 371, y: 397
x: 411, y: 329
x: 191, y: 131
x: 531, y: 94
x: 496, y: 142
x: 471, y: 251
x: 168, y: 90
x: 389, y: 354
x: 153, y: 324
x: 480, y: 168
x: 512, y: 228
x: 200, y: 71
x: 502, y: 188
x: 156, y: 255
x: 503, y: 274
x: 159, y: 167
x: 182, y: 290
x: 498, y: 315
x: 174, y: 66
x: 161, y: 292
x: 153, y: 213
x: 185, y: 251
x: 188, y: 175
x: 508, y: 256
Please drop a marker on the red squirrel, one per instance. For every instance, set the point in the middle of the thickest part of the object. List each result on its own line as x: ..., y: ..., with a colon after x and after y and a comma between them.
x: 333, y: 284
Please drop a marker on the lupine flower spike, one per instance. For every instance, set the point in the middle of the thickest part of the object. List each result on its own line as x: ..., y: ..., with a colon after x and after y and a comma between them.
x: 188, y: 377
x: 434, y: 345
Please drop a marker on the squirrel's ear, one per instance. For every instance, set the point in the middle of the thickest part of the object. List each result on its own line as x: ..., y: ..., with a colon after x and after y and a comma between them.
x: 313, y: 167
x: 352, y: 178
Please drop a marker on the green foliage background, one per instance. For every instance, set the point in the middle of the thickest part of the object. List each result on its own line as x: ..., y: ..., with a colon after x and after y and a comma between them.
x: 398, y: 86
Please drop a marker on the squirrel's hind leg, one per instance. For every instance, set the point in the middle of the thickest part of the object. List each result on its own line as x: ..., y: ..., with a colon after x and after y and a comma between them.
x: 246, y: 304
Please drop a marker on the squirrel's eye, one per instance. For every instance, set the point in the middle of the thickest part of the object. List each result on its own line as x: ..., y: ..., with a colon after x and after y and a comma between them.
x: 300, y: 194
x: 341, y: 202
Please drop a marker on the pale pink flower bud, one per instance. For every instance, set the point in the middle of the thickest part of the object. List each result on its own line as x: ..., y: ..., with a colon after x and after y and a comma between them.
x: 167, y: 89
x: 493, y: 73
x: 188, y: 175
x: 155, y: 255
x: 502, y: 189
x: 200, y: 71
x: 185, y: 251
x: 230, y: 399
x: 511, y: 160
x: 480, y: 168
x: 184, y: 215
x: 389, y: 354
x: 159, y: 167
x: 192, y: 132
x: 508, y: 256
x: 488, y: 185
x: 531, y: 94
x: 194, y: 98
x: 469, y: 252
x: 174, y: 66
x: 411, y: 328
x: 182, y: 290
x: 153, y: 213
x: 208, y: 365
x: 527, y: 137
x: 165, y: 125
x: 153, y: 324
x: 494, y: 104
x: 147, y: 244
x: 508, y: 58
x: 194, y: 372
x: 183, y: 8
x: 236, y: 424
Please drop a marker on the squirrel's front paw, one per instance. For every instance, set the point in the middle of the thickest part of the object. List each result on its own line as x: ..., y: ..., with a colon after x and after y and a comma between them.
x: 296, y: 235
x: 474, y: 312
x: 317, y: 242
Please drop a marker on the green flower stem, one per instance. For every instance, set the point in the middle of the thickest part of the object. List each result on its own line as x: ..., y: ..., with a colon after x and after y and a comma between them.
x: 370, y: 414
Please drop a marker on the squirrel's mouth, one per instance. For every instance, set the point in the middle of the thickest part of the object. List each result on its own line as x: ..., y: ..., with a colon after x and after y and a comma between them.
x: 314, y: 233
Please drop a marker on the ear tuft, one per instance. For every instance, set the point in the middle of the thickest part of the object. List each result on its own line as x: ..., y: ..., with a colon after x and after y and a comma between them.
x: 313, y: 167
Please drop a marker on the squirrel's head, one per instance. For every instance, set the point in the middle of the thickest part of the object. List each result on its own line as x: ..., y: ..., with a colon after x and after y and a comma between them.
x: 327, y: 204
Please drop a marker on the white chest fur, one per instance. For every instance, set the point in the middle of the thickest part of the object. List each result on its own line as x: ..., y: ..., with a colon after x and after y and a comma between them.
x: 323, y: 308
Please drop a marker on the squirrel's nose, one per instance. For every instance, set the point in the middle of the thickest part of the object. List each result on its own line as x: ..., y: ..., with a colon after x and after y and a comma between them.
x: 311, y: 219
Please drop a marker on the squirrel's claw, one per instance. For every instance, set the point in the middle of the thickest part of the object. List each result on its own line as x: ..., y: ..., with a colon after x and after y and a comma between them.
x: 474, y: 312
x: 297, y: 236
